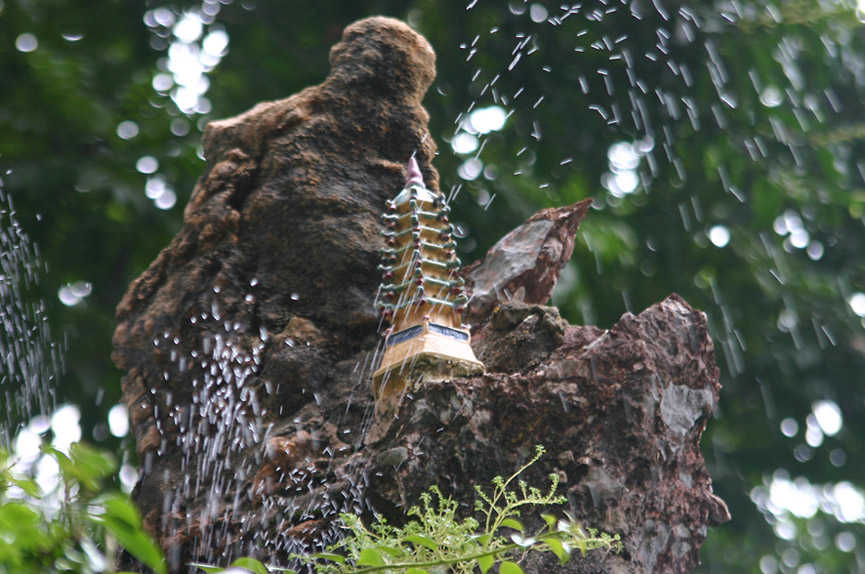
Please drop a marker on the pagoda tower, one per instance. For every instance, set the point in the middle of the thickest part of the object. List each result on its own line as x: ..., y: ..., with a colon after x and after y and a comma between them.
x: 422, y: 294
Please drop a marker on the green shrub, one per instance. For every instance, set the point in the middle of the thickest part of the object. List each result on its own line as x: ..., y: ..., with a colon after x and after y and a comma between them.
x: 437, y: 542
x: 79, y: 526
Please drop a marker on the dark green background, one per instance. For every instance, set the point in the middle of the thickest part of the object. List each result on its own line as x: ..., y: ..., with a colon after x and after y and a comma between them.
x: 785, y: 333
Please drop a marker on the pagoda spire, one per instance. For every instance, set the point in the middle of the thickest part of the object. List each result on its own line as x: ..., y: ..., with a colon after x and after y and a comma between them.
x: 422, y: 294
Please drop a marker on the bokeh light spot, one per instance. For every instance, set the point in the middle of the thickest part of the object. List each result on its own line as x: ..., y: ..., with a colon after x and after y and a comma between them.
x: 118, y: 421
x: 828, y: 416
x: 167, y: 199
x: 73, y: 293
x: 72, y: 36
x: 162, y: 82
x: 538, y: 13
x: 470, y: 169
x: 769, y: 565
x: 789, y: 427
x: 719, y: 235
x: 857, y: 303
x: 771, y: 97
x: 815, y: 250
x: 180, y: 127
x: 65, y: 426
x: 127, y: 130
x: 622, y: 156
x: 147, y: 164
x: 845, y: 541
x: 188, y: 29
x: 128, y: 477
x: 215, y: 43
x: 486, y: 120
x: 26, y: 42
x: 464, y: 143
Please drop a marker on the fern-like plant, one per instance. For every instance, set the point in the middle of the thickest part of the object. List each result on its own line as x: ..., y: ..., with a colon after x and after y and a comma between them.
x: 437, y: 542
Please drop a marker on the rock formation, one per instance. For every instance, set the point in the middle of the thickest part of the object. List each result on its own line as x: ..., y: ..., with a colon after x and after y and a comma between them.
x: 250, y: 341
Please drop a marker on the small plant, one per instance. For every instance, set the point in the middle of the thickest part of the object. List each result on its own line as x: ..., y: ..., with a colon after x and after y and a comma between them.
x: 77, y: 527
x: 437, y: 542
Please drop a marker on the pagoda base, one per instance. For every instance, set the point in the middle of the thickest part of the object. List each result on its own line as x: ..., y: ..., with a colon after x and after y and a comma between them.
x: 428, y: 357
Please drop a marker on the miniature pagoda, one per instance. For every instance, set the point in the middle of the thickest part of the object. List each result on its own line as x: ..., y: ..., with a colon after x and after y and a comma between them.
x: 422, y: 294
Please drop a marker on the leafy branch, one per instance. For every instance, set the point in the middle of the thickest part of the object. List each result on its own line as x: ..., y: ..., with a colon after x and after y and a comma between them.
x: 437, y: 541
x: 78, y: 526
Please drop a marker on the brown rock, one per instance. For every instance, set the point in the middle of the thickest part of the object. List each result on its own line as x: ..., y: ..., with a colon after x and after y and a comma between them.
x: 525, y: 264
x: 620, y: 413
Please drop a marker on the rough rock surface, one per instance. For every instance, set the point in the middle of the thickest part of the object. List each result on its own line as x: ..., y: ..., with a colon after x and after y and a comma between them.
x: 525, y: 264
x: 250, y: 341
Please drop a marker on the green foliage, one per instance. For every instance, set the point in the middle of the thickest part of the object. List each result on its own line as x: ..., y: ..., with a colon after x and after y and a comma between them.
x: 437, y: 541
x: 246, y: 563
x: 78, y: 526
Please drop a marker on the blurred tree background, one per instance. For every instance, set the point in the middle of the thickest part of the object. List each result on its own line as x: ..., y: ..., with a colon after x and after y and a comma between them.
x: 722, y: 142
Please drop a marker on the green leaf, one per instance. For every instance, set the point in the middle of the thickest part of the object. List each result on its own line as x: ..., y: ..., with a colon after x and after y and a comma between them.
x: 417, y: 539
x: 550, y: 520
x: 484, y: 539
x: 122, y: 520
x: 370, y: 557
x: 16, y: 514
x: 416, y: 571
x: 85, y: 464
x: 94, y: 463
x: 28, y: 486
x: 390, y: 551
x: 250, y: 564
x: 121, y: 508
x: 329, y: 556
x: 485, y: 563
x: 513, y: 523
x: 507, y: 567
x: 24, y: 526
x: 133, y: 538
x: 558, y: 549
